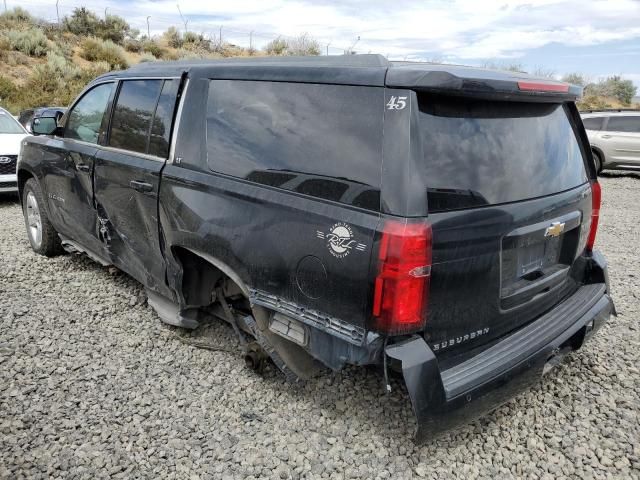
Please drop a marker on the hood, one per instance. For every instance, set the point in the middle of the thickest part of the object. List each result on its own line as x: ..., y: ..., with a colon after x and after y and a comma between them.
x: 10, y: 143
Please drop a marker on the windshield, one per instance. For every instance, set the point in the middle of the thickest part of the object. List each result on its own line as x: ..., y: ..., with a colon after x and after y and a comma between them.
x: 480, y: 152
x: 8, y: 124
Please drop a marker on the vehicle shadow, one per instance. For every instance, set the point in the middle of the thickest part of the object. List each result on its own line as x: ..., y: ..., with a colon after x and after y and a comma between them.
x: 8, y: 199
x: 620, y: 174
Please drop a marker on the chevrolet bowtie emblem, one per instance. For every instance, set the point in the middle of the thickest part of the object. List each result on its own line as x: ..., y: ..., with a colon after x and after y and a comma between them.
x: 555, y: 229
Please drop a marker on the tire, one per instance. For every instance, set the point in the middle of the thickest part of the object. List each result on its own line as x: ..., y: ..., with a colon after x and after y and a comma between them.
x: 597, y: 159
x: 42, y: 236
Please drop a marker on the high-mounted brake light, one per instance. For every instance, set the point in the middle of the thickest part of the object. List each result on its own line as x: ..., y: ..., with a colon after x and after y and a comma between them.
x: 401, y: 292
x: 596, y: 200
x: 543, y: 86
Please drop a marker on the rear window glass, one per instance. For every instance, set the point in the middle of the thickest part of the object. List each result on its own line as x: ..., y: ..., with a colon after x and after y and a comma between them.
x: 485, y: 153
x: 593, y: 123
x: 624, y: 124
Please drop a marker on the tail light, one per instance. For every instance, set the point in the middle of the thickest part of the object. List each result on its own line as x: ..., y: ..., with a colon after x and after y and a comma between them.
x: 401, y: 290
x: 596, y: 200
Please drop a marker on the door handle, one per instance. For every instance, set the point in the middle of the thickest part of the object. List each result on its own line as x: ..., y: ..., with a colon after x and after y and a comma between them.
x: 141, y: 186
x: 83, y: 167
x: 606, y: 136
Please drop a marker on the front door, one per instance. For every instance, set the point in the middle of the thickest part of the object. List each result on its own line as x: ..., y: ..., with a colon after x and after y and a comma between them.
x: 70, y: 162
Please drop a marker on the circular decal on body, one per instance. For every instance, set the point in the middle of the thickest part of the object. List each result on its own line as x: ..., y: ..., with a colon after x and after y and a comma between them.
x: 340, y: 240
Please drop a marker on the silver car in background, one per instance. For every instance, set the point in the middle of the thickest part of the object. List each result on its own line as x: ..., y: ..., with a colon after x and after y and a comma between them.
x: 615, y: 138
x: 11, y: 136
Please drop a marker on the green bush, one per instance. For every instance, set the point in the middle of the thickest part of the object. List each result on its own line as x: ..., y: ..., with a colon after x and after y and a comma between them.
x: 113, y: 28
x: 301, y: 45
x: 94, y: 49
x: 276, y: 47
x: 31, y: 42
x: 81, y: 22
x: 15, y: 18
x: 133, y: 45
x: 173, y: 37
x: 7, y: 88
x: 149, y: 46
x: 85, y: 22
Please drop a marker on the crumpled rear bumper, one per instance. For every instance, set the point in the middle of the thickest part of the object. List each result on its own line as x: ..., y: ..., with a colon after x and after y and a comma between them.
x: 444, y: 399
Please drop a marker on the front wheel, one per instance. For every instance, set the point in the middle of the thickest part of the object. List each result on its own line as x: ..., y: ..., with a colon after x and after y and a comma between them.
x: 42, y: 236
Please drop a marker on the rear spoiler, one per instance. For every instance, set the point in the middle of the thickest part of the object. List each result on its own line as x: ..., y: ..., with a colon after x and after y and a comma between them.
x: 482, y: 84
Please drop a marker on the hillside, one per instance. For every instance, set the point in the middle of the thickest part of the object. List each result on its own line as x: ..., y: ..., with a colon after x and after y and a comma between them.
x: 48, y: 64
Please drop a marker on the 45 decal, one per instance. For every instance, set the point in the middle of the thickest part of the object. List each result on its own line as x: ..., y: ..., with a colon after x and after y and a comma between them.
x: 396, y: 103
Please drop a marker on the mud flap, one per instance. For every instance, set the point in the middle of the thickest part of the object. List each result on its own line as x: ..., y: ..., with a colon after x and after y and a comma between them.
x: 422, y: 379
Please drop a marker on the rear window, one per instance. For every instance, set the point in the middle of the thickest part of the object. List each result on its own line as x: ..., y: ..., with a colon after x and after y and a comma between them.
x: 480, y: 152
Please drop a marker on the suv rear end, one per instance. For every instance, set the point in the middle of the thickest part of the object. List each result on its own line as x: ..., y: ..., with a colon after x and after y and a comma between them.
x: 486, y: 273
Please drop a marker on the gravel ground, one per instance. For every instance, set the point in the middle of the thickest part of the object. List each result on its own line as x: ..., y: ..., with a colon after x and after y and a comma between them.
x: 92, y: 385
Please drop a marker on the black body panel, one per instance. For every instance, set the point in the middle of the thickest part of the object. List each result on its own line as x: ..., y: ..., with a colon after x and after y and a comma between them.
x: 467, y: 273
x: 270, y: 238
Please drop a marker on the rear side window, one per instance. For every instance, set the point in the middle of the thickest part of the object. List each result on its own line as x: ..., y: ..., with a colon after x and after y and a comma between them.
x: 133, y: 114
x: 319, y: 140
x: 480, y: 152
x: 624, y: 124
x: 161, y: 127
x: 593, y: 123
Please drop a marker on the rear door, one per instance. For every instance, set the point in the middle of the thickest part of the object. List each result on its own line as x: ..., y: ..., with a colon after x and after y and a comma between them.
x: 621, y: 139
x: 509, y: 202
x: 127, y: 176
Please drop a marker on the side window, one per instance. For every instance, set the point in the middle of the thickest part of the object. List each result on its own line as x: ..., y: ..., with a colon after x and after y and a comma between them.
x: 161, y: 127
x: 624, y: 124
x: 330, y: 136
x: 593, y: 123
x: 86, y: 116
x: 133, y: 114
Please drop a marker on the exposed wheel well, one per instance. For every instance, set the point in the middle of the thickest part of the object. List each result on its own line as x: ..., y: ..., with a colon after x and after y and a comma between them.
x: 201, y: 274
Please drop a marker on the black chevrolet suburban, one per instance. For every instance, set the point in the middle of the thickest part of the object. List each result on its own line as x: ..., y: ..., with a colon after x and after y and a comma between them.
x: 433, y: 220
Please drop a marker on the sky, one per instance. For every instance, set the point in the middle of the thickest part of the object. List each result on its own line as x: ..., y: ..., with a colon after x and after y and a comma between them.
x: 594, y: 37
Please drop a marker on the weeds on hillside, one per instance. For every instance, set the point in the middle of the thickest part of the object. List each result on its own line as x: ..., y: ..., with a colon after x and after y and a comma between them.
x: 96, y: 50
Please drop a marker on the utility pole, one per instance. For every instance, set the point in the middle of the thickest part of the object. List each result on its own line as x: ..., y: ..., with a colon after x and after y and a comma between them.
x: 182, y: 17
x: 220, y: 36
x: 351, y: 52
x: 5, y: 6
x: 328, y: 48
x: 148, y: 30
x: 251, y: 42
x: 105, y: 12
x: 57, y: 11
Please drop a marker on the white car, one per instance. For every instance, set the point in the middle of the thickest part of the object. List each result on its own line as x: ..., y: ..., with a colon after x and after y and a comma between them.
x: 614, y: 138
x: 11, y: 135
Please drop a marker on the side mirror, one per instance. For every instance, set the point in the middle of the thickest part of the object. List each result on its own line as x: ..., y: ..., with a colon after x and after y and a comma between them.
x: 44, y: 126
